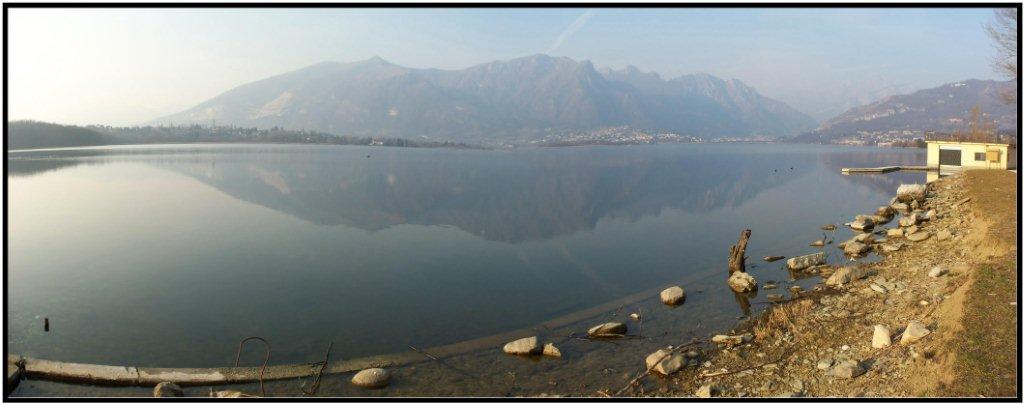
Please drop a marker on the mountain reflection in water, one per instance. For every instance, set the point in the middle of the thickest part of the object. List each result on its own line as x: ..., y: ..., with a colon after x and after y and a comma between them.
x: 509, y: 196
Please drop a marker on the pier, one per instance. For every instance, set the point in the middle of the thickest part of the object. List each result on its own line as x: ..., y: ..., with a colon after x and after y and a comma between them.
x: 884, y: 169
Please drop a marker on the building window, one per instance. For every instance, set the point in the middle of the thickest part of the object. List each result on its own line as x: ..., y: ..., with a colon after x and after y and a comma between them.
x: 979, y: 156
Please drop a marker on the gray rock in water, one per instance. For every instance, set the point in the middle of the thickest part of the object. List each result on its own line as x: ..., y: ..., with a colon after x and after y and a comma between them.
x: 915, y: 331
x: 372, y: 378
x: 551, y: 351
x: 864, y: 238
x: 805, y: 261
x: 911, y: 192
x: 673, y: 295
x: 862, y: 223
x: 742, y: 282
x: 846, y: 369
x: 855, y: 248
x: 665, y: 362
x: 609, y: 328
x: 522, y: 347
x: 167, y: 389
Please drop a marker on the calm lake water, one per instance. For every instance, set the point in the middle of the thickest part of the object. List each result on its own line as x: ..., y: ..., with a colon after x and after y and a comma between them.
x: 169, y: 255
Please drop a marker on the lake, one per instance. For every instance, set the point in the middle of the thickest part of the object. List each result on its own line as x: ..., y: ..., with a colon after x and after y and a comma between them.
x: 169, y: 255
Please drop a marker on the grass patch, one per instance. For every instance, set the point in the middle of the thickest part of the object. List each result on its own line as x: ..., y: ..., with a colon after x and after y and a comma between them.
x: 986, y: 348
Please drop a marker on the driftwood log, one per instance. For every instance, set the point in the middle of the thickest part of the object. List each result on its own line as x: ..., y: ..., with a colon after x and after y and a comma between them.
x: 737, y: 253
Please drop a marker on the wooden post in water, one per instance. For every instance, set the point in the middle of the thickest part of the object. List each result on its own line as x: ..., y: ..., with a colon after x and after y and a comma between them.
x: 737, y: 253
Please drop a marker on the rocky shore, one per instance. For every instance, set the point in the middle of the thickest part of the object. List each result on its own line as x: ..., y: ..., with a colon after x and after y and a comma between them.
x: 883, y: 329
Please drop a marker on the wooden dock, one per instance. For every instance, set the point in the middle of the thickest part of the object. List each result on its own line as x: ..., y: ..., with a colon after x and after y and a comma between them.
x: 884, y: 169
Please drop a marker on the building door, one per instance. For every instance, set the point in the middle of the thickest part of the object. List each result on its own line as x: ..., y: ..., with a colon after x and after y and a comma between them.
x: 949, y: 157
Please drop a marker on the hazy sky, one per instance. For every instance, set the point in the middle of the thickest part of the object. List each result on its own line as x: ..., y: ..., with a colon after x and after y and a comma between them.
x: 123, y: 66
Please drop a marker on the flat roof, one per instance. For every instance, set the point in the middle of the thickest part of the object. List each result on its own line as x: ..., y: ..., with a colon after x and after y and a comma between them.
x: 971, y: 143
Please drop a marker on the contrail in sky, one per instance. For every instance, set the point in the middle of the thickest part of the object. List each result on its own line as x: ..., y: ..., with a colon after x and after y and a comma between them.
x: 571, y: 29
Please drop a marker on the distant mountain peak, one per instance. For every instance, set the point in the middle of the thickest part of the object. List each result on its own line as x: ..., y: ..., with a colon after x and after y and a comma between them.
x: 516, y: 100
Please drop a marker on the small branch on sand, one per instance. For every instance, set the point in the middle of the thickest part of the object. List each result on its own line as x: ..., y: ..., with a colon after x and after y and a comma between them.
x: 266, y: 359
x: 441, y: 362
x: 721, y: 373
x: 319, y: 374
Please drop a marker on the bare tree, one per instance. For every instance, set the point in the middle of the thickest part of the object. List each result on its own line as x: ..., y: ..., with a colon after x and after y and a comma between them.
x: 1003, y: 31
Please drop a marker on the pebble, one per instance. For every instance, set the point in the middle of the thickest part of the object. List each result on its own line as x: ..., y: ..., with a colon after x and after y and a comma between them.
x: 824, y: 364
x: 915, y: 331
x: 673, y: 295
x: 167, y: 389
x: 522, y: 346
x: 846, y: 369
x: 551, y: 351
x: 372, y: 378
x: 707, y: 391
x: 936, y: 271
x: 608, y: 328
x: 881, y: 337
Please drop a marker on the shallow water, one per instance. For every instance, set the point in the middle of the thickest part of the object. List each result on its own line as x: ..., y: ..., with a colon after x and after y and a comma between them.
x: 169, y: 255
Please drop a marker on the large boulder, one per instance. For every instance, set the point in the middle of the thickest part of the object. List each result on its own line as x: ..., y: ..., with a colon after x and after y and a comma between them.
x: 915, y: 331
x: 522, y: 347
x: 674, y: 295
x: 608, y: 329
x: 665, y: 362
x: 742, y: 282
x: 911, y: 192
x: 372, y: 378
x: 805, y: 261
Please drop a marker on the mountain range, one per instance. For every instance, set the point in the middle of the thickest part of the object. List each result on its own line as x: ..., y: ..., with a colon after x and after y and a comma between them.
x: 943, y: 109
x: 511, y: 101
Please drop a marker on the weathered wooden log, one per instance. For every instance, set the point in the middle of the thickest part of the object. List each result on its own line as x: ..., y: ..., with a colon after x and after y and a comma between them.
x: 737, y: 253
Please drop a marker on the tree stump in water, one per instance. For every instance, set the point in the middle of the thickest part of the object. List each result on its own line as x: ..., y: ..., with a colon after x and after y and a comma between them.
x: 737, y: 253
